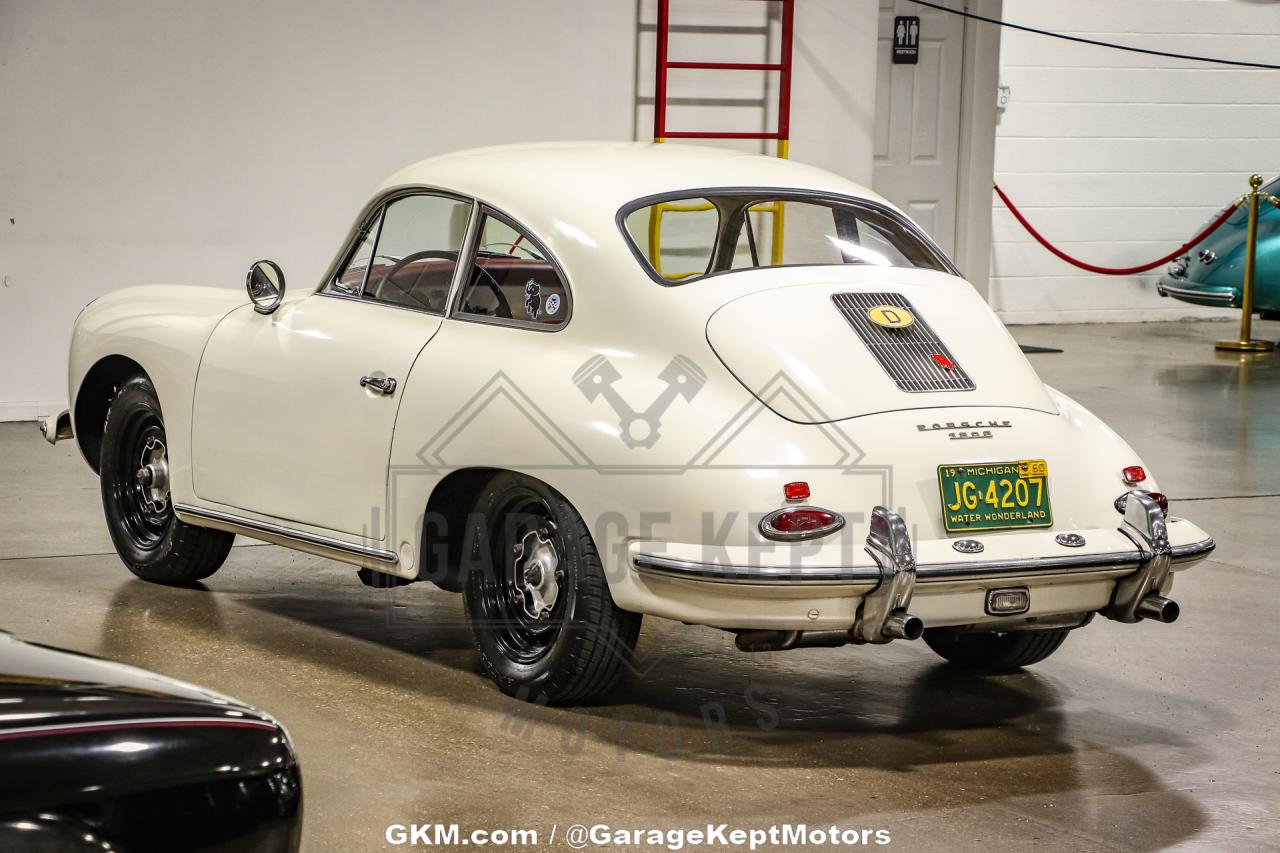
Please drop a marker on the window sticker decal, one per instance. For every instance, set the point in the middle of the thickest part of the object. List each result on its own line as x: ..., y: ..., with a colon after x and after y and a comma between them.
x: 532, y: 299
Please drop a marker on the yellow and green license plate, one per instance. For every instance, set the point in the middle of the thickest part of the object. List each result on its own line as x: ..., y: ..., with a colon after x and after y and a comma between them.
x: 995, y: 495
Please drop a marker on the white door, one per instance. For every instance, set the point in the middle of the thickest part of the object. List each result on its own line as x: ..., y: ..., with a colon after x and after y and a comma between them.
x: 281, y: 424
x: 294, y: 412
x: 917, y: 130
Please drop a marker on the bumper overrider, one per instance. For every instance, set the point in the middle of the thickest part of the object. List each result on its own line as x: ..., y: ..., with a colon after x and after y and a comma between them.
x: 1125, y: 583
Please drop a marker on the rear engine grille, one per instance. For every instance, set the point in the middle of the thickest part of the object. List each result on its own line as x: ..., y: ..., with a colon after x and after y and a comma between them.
x: 912, y: 355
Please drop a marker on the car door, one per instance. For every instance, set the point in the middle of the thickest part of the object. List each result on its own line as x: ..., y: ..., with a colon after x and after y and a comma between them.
x: 294, y: 412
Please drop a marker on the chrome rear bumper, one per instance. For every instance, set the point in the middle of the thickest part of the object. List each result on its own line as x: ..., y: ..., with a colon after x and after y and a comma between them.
x: 656, y: 564
x: 886, y: 587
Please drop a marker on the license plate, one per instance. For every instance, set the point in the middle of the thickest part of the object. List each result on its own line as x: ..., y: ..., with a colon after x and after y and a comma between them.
x: 995, y: 495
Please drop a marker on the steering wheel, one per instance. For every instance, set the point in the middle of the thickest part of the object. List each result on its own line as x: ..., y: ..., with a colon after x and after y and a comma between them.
x: 418, y: 256
x: 504, y: 307
x: 408, y: 259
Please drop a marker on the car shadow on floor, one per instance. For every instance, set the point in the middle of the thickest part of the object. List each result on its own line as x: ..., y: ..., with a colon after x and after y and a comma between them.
x: 951, y: 738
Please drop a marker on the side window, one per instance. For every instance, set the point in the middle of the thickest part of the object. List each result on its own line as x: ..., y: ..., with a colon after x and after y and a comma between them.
x: 414, y: 251
x: 678, y: 237
x: 513, y: 279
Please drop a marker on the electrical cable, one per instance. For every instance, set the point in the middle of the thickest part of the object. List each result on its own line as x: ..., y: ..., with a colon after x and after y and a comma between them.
x: 1082, y: 40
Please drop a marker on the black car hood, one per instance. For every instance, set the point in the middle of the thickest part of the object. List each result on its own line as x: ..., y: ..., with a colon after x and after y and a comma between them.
x: 74, y: 726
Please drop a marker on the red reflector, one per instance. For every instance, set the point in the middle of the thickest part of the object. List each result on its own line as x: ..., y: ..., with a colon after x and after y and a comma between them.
x: 1134, y: 474
x: 1160, y: 499
x: 800, y: 520
x: 942, y: 361
x: 796, y: 491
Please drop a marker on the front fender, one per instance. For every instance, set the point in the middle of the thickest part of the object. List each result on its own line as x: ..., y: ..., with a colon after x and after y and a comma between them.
x: 161, y: 329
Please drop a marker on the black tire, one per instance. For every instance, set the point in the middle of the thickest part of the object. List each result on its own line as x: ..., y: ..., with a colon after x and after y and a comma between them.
x: 154, y: 544
x: 994, y: 652
x: 580, y: 652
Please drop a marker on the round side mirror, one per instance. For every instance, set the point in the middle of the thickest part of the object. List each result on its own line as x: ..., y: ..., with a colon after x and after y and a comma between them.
x: 265, y: 284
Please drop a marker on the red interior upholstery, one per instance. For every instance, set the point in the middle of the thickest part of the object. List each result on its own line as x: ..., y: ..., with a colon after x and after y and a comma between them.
x: 424, y: 285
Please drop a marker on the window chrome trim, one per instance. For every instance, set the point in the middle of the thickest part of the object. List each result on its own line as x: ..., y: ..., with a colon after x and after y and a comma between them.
x: 371, y: 216
x: 766, y: 194
x: 374, y: 207
x: 337, y: 549
x: 373, y: 253
x: 454, y: 312
x: 463, y: 271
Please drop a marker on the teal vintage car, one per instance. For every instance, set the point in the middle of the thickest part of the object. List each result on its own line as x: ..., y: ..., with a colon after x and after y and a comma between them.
x: 1212, y: 271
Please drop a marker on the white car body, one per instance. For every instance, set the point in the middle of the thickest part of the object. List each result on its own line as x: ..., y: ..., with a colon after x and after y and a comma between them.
x: 271, y: 434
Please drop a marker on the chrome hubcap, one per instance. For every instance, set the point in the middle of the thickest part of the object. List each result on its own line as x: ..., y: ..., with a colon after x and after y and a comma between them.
x: 153, y: 476
x: 537, y: 569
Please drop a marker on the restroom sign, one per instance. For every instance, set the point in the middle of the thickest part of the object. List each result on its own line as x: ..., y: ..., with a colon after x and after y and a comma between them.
x: 906, y: 40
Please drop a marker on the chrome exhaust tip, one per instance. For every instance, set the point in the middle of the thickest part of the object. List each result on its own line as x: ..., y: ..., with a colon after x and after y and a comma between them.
x: 904, y: 626
x: 1158, y: 608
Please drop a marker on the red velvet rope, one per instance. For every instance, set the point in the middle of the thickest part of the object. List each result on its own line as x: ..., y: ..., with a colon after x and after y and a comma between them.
x: 1209, y: 229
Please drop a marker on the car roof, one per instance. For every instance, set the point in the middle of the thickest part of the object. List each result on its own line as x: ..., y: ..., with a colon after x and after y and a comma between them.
x: 608, y: 175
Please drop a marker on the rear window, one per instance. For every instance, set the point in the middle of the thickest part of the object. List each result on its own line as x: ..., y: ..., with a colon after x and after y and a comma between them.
x: 682, y: 239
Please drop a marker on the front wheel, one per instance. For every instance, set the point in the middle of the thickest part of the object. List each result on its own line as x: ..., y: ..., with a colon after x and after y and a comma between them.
x: 539, y: 606
x: 134, y: 472
x: 994, y: 652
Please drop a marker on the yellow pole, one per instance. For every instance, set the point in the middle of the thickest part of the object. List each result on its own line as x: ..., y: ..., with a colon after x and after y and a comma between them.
x: 779, y: 212
x: 1246, y: 342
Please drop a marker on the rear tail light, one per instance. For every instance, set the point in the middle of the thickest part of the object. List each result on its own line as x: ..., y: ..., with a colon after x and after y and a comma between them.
x: 1134, y: 474
x: 800, y: 522
x: 1158, y: 497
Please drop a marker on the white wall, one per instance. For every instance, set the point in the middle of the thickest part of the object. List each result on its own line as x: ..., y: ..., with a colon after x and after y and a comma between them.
x: 179, y: 140
x: 1119, y: 158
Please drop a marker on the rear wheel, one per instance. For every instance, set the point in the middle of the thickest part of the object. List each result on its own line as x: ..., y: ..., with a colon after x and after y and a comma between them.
x: 541, y: 615
x: 994, y: 652
x: 134, y: 473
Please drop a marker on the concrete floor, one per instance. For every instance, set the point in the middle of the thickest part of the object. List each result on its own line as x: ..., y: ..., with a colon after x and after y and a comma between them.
x: 1139, y: 737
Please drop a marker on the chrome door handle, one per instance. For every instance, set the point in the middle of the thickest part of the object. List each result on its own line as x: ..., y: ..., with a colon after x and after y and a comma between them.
x: 385, y: 386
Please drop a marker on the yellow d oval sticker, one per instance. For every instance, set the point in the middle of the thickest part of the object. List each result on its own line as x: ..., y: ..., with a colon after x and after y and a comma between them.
x: 890, y: 316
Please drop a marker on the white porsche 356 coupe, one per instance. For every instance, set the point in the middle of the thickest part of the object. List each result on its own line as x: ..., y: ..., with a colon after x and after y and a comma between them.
x: 584, y: 382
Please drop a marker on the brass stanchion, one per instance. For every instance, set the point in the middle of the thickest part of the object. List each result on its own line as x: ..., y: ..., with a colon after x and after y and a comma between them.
x: 1247, y: 343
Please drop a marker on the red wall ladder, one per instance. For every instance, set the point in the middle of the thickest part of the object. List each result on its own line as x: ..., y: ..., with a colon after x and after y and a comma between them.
x: 782, y: 134
x: 664, y: 64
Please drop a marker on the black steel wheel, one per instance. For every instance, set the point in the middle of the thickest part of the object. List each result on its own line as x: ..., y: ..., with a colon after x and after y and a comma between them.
x: 541, y: 615
x: 134, y: 474
x: 993, y: 652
